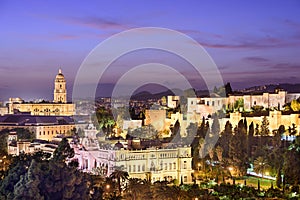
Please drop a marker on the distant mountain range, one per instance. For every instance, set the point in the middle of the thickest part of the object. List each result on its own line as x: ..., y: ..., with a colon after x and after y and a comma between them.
x: 290, y: 88
x: 144, y: 94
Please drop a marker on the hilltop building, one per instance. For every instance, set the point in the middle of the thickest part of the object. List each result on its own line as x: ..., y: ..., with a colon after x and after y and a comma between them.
x: 198, y: 108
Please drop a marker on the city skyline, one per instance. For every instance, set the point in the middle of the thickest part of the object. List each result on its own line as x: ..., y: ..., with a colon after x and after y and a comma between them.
x: 252, y: 43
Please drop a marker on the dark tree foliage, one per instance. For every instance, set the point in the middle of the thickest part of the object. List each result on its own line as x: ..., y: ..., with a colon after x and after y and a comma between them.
x: 228, y: 89
x: 192, y: 129
x: 27, y: 187
x: 105, y: 119
x: 281, y: 130
x: 276, y: 139
x: 238, y: 149
x: 245, y: 124
x: 278, y: 178
x: 202, y: 130
x: 63, y: 151
x: 175, y: 129
x: 36, y: 177
x: 250, y: 140
x: 3, y: 142
x: 265, y: 127
x: 119, y: 175
x: 59, y: 181
x: 215, y: 127
x: 24, y: 133
x: 291, y: 165
x: 18, y: 168
x: 225, y: 138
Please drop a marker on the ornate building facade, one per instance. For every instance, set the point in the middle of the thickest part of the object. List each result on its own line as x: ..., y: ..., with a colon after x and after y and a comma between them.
x: 59, y: 106
x: 153, y: 163
x: 43, y: 127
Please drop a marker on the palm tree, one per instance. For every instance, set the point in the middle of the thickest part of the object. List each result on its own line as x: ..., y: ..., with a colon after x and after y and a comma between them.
x: 163, y: 191
x: 119, y: 175
x: 178, y: 193
x: 105, y: 119
x: 260, y: 165
x: 137, y: 189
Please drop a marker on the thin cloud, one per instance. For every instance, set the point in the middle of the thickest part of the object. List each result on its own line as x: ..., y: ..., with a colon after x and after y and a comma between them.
x: 200, y: 33
x: 97, y: 23
x: 286, y: 66
x: 247, y: 45
x: 250, y: 42
x: 291, y: 23
x: 277, y: 69
x: 66, y: 37
x: 255, y: 59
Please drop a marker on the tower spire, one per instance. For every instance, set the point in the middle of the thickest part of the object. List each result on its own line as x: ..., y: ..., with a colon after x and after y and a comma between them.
x: 60, y: 89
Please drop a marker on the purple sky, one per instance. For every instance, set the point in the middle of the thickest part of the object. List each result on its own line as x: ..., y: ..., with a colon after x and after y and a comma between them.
x: 253, y: 42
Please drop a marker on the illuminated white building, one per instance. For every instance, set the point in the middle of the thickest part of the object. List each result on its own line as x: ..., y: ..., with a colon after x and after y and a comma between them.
x: 59, y: 106
x: 169, y: 163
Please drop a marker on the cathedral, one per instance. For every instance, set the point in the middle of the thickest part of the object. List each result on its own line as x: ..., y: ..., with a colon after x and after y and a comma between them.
x: 59, y: 106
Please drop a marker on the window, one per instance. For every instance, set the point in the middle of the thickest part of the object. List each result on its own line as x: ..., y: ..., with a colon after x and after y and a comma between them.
x: 86, y: 163
x: 185, y: 179
x: 174, y: 165
x: 129, y: 168
x: 139, y: 168
x: 184, y: 164
x: 166, y: 166
x: 133, y: 168
x: 170, y: 166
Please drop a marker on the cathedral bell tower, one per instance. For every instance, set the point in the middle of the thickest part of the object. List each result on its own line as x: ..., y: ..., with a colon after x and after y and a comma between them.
x: 60, y: 91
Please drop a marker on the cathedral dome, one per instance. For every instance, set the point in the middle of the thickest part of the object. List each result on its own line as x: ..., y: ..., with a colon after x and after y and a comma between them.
x: 59, y: 77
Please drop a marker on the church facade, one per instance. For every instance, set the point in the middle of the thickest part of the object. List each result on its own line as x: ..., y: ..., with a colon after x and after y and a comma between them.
x: 59, y: 106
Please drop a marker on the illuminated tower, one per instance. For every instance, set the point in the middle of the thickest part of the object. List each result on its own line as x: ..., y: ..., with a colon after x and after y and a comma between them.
x: 60, y: 91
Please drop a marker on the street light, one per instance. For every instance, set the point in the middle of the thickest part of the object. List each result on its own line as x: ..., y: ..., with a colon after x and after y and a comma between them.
x: 230, y: 170
x: 267, y: 173
x: 199, y: 165
x: 263, y: 168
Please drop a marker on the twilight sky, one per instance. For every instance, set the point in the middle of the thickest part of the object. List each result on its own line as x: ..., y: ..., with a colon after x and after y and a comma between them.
x: 251, y: 42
